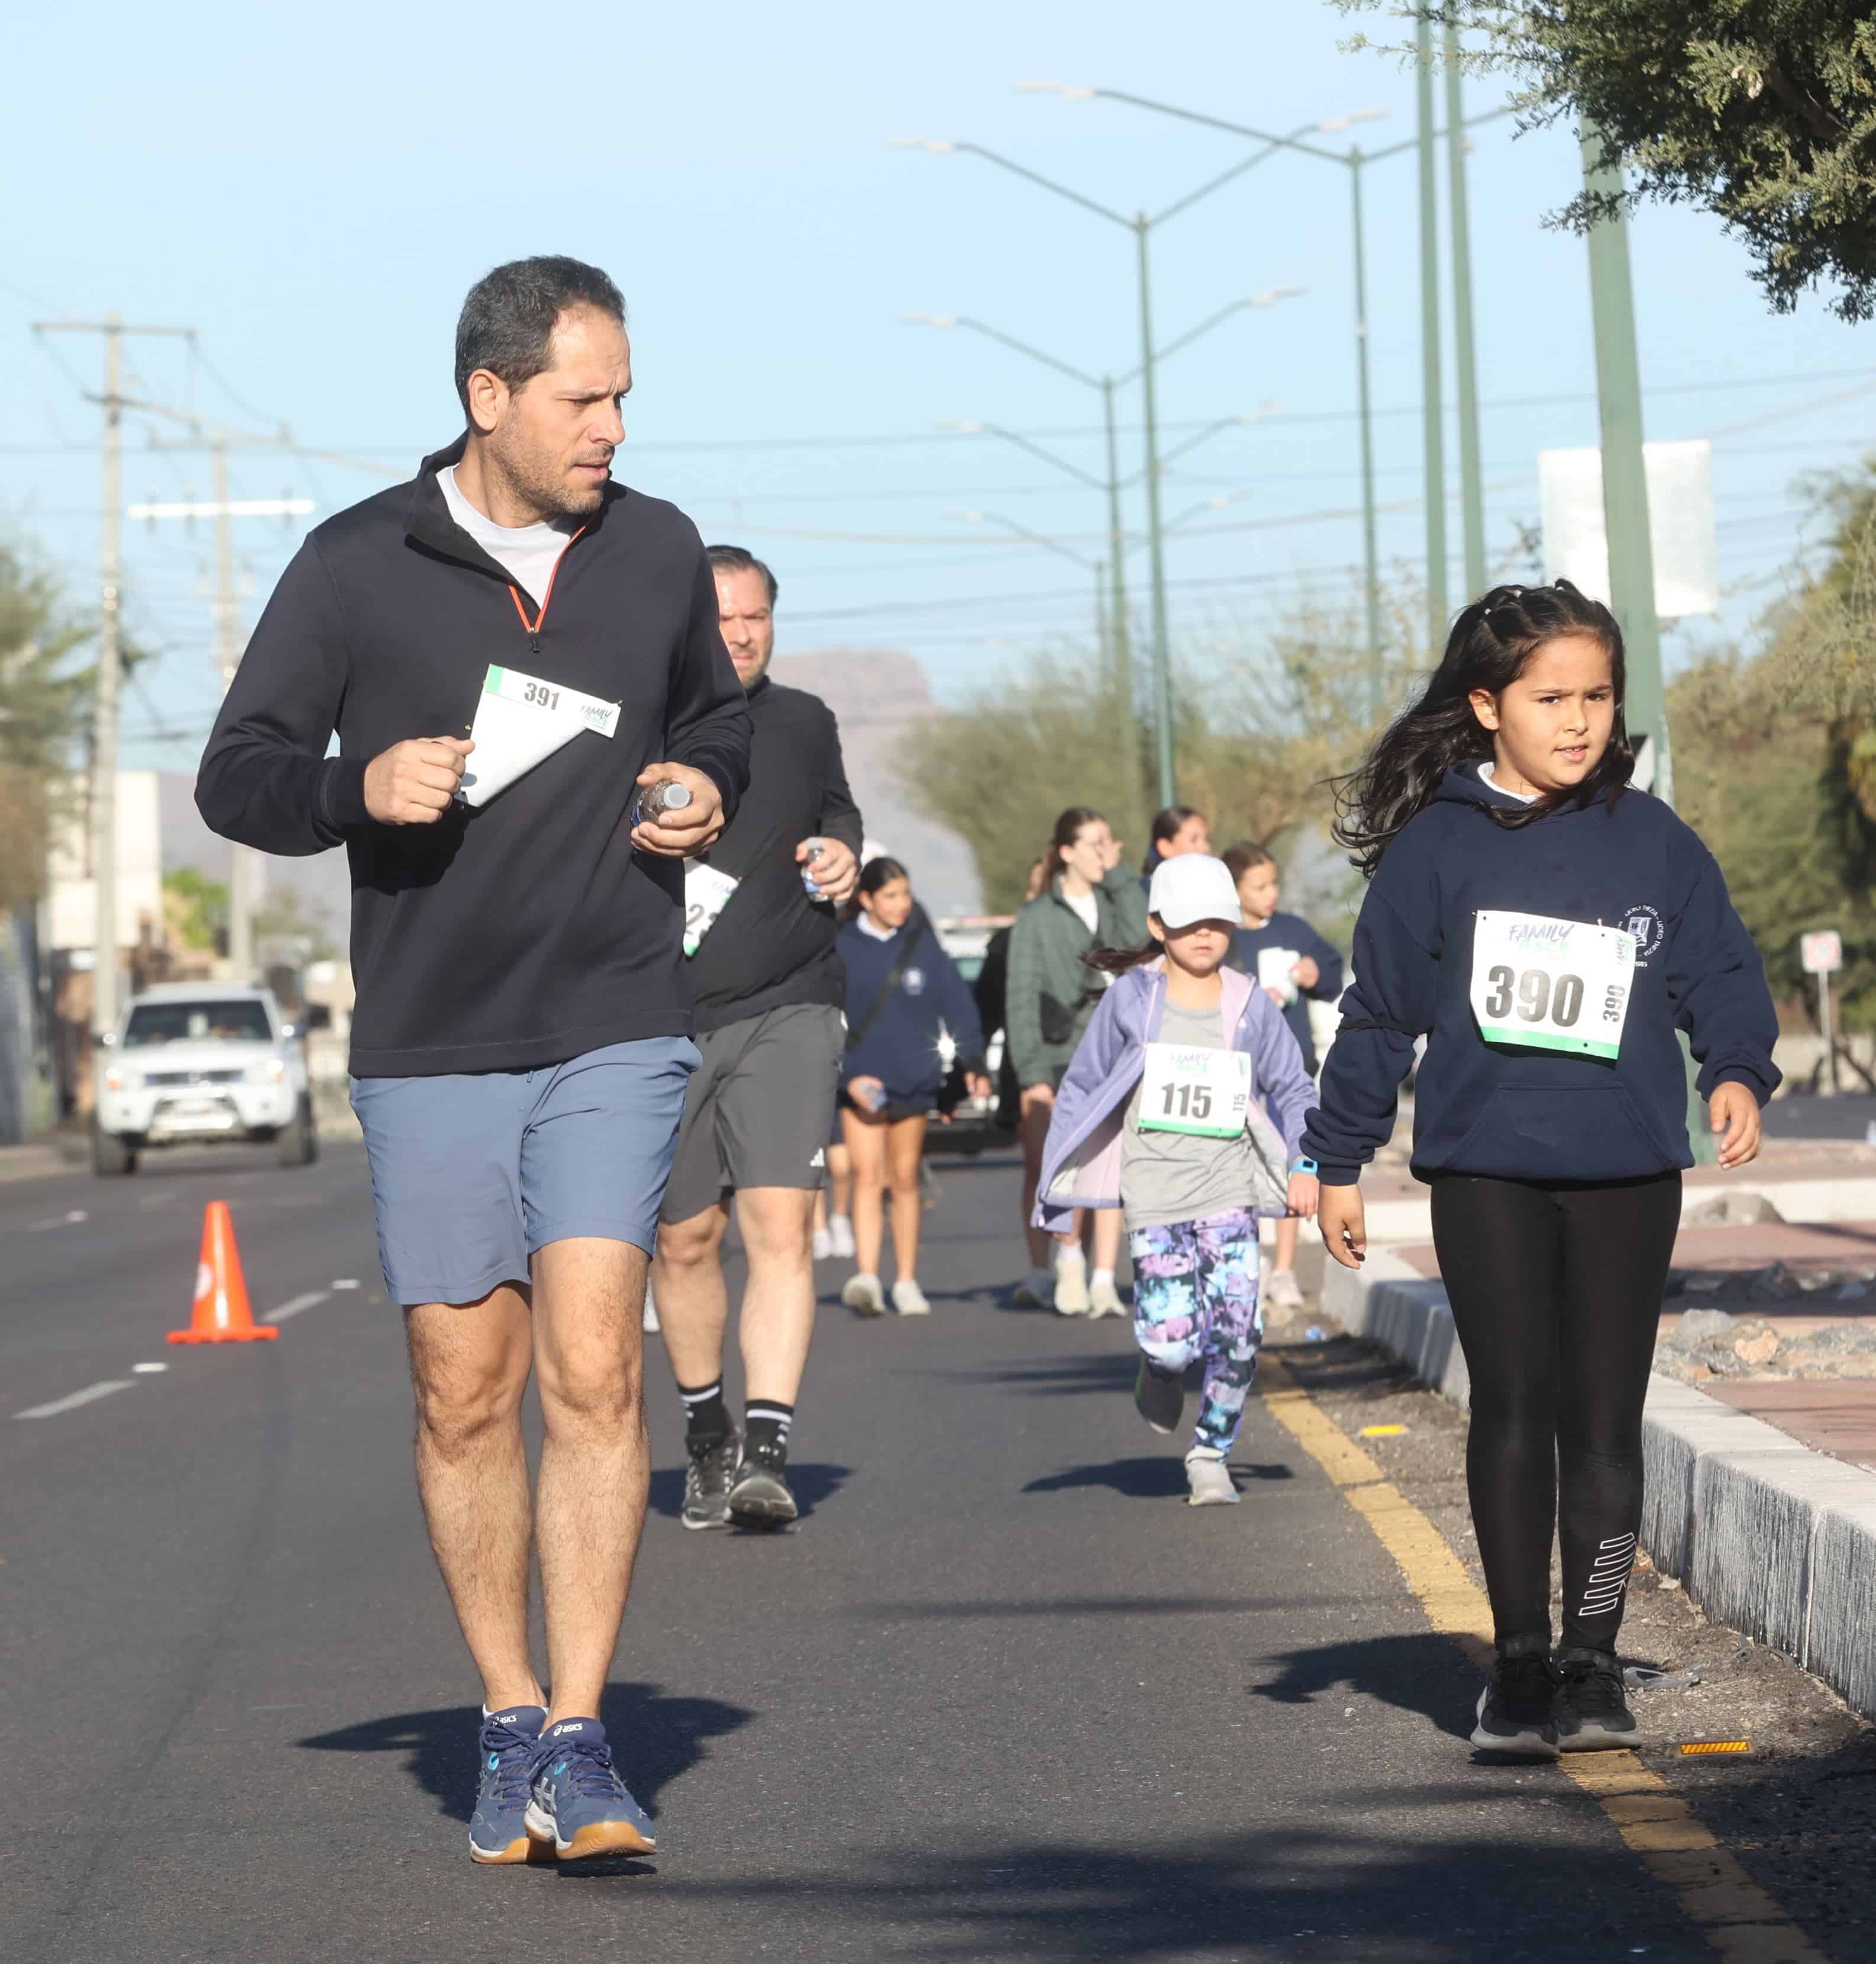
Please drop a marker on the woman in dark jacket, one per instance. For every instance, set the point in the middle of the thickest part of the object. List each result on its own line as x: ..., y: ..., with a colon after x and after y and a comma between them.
x: 903, y: 993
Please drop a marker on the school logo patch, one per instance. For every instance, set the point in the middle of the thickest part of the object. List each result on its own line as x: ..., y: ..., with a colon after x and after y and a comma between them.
x: 1644, y: 923
x: 915, y: 982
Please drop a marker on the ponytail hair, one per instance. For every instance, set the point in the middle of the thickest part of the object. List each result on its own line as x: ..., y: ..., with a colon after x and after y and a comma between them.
x: 1491, y: 645
x: 1118, y: 961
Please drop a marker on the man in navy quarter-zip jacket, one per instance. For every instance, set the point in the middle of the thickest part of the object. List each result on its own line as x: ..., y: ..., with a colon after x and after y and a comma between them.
x: 522, y: 1038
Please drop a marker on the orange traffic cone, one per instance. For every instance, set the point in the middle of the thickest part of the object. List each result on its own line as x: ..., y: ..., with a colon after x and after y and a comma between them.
x: 222, y: 1314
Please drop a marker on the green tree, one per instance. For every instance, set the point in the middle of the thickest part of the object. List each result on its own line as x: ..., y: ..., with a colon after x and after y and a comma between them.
x: 195, y: 910
x: 1762, y: 111
x: 42, y: 706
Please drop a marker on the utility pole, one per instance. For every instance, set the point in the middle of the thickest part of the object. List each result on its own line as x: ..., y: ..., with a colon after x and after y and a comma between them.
x: 103, y: 782
x: 1435, y: 430
x: 1125, y: 727
x: 1155, y: 538
x: 1371, y: 562
x: 1471, y: 486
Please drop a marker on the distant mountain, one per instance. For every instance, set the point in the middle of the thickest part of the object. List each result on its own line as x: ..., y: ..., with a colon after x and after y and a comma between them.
x: 881, y: 696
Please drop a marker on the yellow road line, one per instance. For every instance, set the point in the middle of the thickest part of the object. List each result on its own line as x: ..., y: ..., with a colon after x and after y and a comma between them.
x: 1742, y: 1922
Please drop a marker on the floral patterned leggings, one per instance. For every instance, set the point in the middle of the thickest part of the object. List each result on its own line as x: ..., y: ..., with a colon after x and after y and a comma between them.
x: 1195, y: 1295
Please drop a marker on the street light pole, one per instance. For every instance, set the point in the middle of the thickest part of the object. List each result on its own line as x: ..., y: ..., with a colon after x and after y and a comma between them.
x: 1119, y: 632
x: 1471, y: 485
x: 1434, y: 437
x: 1370, y: 566
x: 1156, y: 537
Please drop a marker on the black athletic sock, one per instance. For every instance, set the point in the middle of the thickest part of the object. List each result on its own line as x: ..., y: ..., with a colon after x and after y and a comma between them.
x: 705, y: 1414
x: 766, y: 1421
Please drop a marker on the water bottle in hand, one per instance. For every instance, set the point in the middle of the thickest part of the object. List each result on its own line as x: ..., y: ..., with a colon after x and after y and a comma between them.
x: 807, y: 869
x: 652, y: 803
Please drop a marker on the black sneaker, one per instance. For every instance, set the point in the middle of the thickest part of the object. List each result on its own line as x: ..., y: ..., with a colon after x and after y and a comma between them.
x: 1158, y: 1397
x: 712, y: 1466
x: 759, y: 1495
x: 1591, y: 1713
x: 1517, y: 1711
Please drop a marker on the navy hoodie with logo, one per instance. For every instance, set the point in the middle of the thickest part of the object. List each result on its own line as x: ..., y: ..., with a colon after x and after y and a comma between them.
x: 898, y: 1043
x: 1515, y: 1114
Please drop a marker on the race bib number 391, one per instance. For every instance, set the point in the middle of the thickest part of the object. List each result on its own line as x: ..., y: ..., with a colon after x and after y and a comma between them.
x: 1547, y: 984
x: 1201, y: 1091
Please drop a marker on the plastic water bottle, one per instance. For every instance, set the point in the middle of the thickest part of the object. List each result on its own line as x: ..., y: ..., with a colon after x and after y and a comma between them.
x: 807, y: 870
x: 651, y: 803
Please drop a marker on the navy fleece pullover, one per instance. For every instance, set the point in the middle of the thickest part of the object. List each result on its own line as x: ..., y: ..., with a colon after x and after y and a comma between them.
x: 1540, y: 1115
x: 900, y: 1045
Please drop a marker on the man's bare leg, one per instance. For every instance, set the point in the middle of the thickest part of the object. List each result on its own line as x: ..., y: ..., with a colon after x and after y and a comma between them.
x: 778, y: 1300
x: 693, y: 1304
x: 468, y: 1365
x: 595, y: 1462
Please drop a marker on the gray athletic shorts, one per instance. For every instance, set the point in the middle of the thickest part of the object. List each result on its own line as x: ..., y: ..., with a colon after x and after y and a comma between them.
x: 471, y: 1174
x: 760, y: 1111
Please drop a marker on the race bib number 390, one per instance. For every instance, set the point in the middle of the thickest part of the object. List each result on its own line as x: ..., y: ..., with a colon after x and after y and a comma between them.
x: 1546, y: 984
x: 1195, y: 1089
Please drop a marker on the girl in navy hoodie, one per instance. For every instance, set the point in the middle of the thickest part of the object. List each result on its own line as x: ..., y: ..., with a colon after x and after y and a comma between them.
x: 1547, y: 928
x: 901, y: 989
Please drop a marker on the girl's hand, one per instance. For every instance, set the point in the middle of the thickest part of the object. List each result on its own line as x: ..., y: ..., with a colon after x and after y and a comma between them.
x: 1732, y: 1112
x: 869, y: 1093
x: 1305, y: 1189
x: 1305, y: 974
x: 1344, y: 1222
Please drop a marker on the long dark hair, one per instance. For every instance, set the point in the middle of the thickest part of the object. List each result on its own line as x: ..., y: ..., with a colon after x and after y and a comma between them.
x: 1067, y: 828
x: 1490, y: 646
x: 1166, y: 826
x: 880, y: 872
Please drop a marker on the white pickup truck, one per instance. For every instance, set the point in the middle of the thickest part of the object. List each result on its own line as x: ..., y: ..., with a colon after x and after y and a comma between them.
x: 196, y: 1064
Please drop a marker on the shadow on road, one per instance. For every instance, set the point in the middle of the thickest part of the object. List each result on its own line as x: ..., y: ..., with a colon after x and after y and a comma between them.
x: 813, y: 1480
x: 1418, y: 1670
x: 1161, y: 1477
x: 660, y: 1738
x: 1064, y: 1377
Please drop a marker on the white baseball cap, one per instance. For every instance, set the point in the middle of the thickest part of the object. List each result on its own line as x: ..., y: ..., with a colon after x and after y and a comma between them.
x: 1193, y: 888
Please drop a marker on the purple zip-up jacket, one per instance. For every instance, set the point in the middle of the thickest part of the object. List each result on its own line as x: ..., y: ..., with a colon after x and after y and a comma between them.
x: 1081, y: 1159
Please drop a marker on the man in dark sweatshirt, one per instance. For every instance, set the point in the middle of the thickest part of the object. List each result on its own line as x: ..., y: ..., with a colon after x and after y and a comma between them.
x: 508, y: 647
x: 771, y: 989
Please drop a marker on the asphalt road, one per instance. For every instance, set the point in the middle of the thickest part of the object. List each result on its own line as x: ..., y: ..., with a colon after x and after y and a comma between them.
x: 1001, y: 1696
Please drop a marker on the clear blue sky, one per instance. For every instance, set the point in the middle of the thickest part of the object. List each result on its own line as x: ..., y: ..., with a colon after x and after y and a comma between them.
x: 313, y: 189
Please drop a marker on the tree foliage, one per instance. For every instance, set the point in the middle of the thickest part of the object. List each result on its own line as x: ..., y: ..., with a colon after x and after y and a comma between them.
x: 195, y: 910
x: 41, y: 707
x: 1762, y: 111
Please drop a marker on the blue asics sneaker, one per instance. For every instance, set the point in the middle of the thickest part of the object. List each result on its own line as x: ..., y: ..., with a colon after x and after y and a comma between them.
x: 579, y: 1802
x: 510, y: 1747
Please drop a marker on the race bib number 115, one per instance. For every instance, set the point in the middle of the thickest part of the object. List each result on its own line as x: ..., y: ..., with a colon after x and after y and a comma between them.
x: 1547, y: 984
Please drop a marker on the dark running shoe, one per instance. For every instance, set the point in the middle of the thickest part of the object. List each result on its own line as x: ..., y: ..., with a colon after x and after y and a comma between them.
x: 579, y: 1803
x: 712, y: 1466
x: 1158, y: 1398
x: 759, y: 1495
x: 1517, y: 1711
x: 511, y: 1748
x: 1591, y: 1713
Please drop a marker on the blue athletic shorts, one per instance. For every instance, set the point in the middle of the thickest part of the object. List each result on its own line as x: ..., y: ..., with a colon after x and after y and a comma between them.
x: 470, y: 1174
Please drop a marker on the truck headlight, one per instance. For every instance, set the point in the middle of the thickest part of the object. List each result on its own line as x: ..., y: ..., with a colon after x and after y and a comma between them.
x: 272, y: 1072
x: 114, y: 1079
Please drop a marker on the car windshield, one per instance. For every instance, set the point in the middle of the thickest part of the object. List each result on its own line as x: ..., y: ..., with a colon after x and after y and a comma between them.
x: 970, y: 967
x: 236, y: 1021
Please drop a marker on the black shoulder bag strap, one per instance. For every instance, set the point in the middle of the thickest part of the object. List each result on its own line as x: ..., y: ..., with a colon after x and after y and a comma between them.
x: 914, y: 932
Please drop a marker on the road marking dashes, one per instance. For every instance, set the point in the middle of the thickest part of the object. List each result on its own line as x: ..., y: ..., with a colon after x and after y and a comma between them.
x: 311, y: 1300
x: 72, y: 1400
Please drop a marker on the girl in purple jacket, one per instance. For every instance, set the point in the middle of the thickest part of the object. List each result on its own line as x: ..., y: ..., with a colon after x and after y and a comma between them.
x: 1162, y: 1114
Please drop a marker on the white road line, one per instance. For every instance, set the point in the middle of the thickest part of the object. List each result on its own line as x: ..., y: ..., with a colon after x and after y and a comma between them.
x: 71, y: 1220
x: 310, y: 1301
x: 77, y: 1398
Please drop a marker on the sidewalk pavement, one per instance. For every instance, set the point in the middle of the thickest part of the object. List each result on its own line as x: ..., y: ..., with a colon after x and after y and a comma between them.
x: 1761, y: 1490
x: 40, y: 1158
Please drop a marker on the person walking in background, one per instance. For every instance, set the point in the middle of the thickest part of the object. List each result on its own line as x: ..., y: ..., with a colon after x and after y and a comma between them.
x: 1180, y: 829
x: 833, y: 1205
x: 1161, y: 1113
x: 1292, y: 963
x: 1087, y: 901
x: 991, y: 990
x: 901, y: 989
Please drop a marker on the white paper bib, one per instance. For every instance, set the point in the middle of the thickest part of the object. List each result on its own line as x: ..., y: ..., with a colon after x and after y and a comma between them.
x: 1546, y: 984
x: 1196, y: 1089
x: 706, y: 893
x: 519, y: 719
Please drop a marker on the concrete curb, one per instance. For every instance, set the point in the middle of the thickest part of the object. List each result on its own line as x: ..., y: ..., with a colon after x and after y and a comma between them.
x: 1767, y: 1536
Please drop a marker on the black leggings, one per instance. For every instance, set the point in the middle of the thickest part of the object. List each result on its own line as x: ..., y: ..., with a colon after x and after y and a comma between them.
x: 1556, y: 1289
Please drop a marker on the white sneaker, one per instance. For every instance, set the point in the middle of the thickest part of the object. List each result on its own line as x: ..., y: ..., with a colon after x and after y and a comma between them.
x: 1284, y: 1293
x: 1036, y: 1290
x: 909, y: 1299
x: 1208, y: 1481
x: 1103, y: 1299
x: 651, y: 1310
x: 840, y: 1237
x: 863, y: 1293
x: 1071, y: 1285
x: 823, y: 1245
